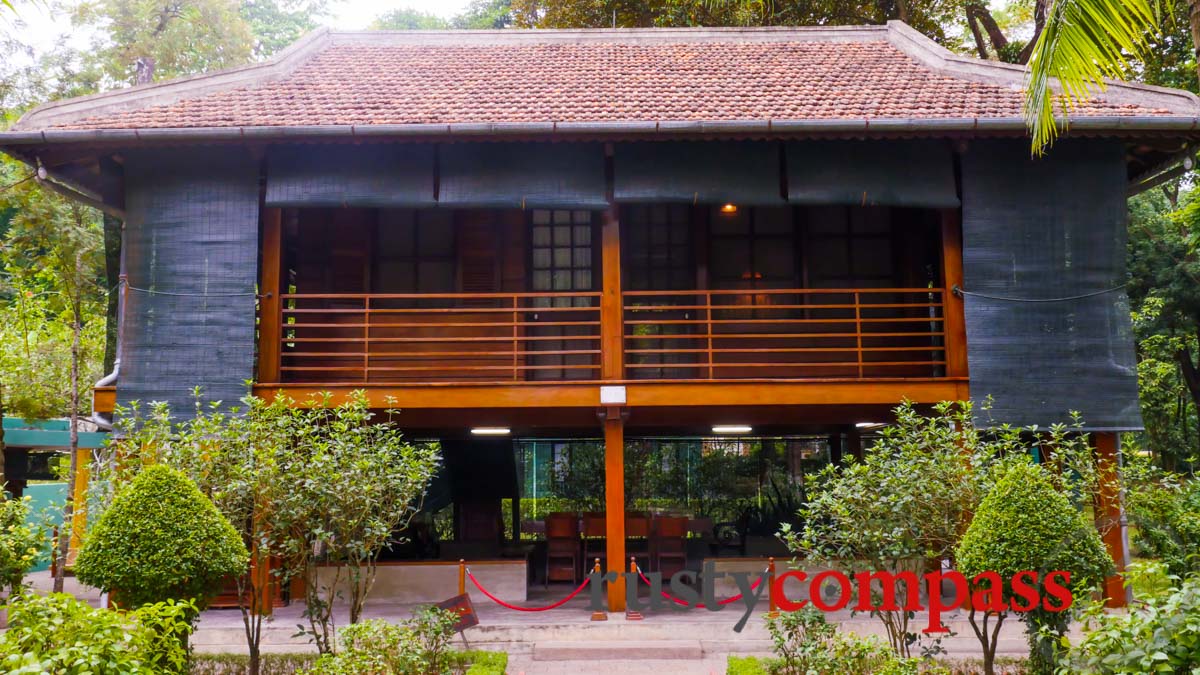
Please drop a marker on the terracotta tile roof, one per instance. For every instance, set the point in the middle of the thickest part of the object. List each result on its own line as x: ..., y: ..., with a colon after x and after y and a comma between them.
x: 404, y: 79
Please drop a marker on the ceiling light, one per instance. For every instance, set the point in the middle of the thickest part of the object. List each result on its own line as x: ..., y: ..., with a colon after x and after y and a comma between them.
x: 863, y: 425
x: 729, y: 208
x: 491, y: 431
x: 731, y: 429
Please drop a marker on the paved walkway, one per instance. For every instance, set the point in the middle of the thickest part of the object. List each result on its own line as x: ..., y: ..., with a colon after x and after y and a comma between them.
x: 567, y: 640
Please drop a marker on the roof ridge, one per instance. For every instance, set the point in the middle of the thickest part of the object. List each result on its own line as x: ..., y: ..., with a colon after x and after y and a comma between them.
x: 934, y: 56
x: 276, y: 67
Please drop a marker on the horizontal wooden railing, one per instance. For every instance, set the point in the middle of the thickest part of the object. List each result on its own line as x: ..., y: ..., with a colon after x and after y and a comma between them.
x: 668, y: 335
x: 784, y: 333
x: 426, y: 337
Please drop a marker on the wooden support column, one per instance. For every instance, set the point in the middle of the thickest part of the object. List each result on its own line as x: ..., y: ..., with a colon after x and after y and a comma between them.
x: 614, y: 504
x: 270, y: 316
x: 1110, y: 515
x: 612, y: 324
x: 952, y: 309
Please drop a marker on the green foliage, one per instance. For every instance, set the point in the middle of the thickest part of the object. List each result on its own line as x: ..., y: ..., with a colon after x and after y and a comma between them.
x: 745, y: 665
x: 419, y: 645
x: 180, y: 38
x: 161, y: 539
x: 1083, y: 42
x: 1025, y: 523
x: 1159, y: 634
x: 276, y: 24
x: 405, y: 18
x: 804, y: 642
x: 238, y: 664
x: 1165, y: 512
x: 21, y: 543
x: 59, y: 634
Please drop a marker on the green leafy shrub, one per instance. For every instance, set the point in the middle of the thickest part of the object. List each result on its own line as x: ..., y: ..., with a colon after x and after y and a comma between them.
x: 161, y: 539
x: 1165, y: 510
x: 1026, y: 524
x: 239, y: 664
x: 59, y: 634
x: 22, y: 544
x: 1160, y: 634
x: 417, y: 646
x: 805, y: 642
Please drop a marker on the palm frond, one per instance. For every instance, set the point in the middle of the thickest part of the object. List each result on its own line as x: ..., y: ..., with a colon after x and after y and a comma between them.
x: 1083, y: 42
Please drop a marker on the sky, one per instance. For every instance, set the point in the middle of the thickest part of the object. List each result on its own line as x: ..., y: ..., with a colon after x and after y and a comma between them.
x: 39, y: 25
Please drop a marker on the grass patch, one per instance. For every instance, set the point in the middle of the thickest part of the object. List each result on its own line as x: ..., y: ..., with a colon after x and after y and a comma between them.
x: 472, y: 662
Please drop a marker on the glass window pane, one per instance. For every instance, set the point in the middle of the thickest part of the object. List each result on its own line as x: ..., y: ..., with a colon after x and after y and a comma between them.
x: 562, y: 217
x: 774, y: 259
x: 541, y: 216
x: 583, y: 257
x: 658, y: 234
x: 583, y: 235
x: 730, y: 223
x: 562, y: 280
x: 541, y: 280
x: 828, y: 258
x: 583, y: 280
x: 562, y: 235
x: 872, y: 257
x: 731, y: 259
x: 435, y: 239
x: 541, y: 258
x: 395, y: 217
x: 827, y: 220
x: 394, y: 277
x: 871, y: 220
x: 773, y: 220
x: 582, y: 216
x: 562, y: 257
x: 680, y: 213
x: 396, y: 239
x: 541, y: 236
x: 435, y: 277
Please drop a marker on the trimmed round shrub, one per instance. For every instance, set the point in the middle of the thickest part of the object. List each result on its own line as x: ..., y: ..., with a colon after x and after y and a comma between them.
x: 161, y: 539
x: 1025, y: 524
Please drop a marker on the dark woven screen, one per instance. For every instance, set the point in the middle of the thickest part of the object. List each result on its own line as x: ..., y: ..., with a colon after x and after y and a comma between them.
x: 191, y: 245
x: 522, y: 175
x: 697, y: 172
x: 1048, y: 229
x: 380, y: 176
x: 883, y: 173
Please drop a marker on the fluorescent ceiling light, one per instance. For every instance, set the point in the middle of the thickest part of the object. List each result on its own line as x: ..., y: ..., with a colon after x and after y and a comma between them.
x: 491, y: 431
x: 862, y: 425
x: 731, y: 429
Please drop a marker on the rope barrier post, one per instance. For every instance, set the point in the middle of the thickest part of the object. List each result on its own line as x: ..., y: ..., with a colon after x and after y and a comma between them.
x: 598, y: 615
x: 633, y: 614
x: 462, y: 576
x: 774, y: 608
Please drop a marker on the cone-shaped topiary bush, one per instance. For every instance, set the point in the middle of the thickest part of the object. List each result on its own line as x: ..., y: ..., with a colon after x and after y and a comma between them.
x: 161, y: 539
x: 1026, y: 524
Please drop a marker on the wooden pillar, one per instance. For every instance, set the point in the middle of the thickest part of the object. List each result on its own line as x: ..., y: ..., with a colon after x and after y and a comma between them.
x: 270, y: 317
x: 614, y: 504
x: 954, y: 322
x: 1110, y: 515
x: 612, y: 328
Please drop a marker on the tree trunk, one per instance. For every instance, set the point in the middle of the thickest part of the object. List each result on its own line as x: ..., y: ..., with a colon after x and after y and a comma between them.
x: 1194, y: 24
x: 995, y: 35
x: 980, y: 45
x: 1040, y: 11
x: 3, y: 468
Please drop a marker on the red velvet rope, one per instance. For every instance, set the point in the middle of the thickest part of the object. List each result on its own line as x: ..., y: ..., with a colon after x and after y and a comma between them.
x: 502, y: 603
x: 676, y: 600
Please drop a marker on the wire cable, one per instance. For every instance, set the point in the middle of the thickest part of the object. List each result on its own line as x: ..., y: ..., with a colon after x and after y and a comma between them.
x: 961, y: 292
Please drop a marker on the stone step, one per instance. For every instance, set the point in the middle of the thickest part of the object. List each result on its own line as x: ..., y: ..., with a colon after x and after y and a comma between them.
x: 630, y: 650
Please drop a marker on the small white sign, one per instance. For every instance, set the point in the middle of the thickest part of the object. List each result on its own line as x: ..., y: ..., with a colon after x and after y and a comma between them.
x: 612, y: 395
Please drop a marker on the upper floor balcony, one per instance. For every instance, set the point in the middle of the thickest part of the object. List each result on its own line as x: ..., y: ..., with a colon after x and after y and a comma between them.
x: 711, y: 294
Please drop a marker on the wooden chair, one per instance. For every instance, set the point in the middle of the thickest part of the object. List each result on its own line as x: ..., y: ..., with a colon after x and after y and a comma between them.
x: 670, y: 545
x: 595, y: 531
x: 637, y: 536
x: 562, y: 548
